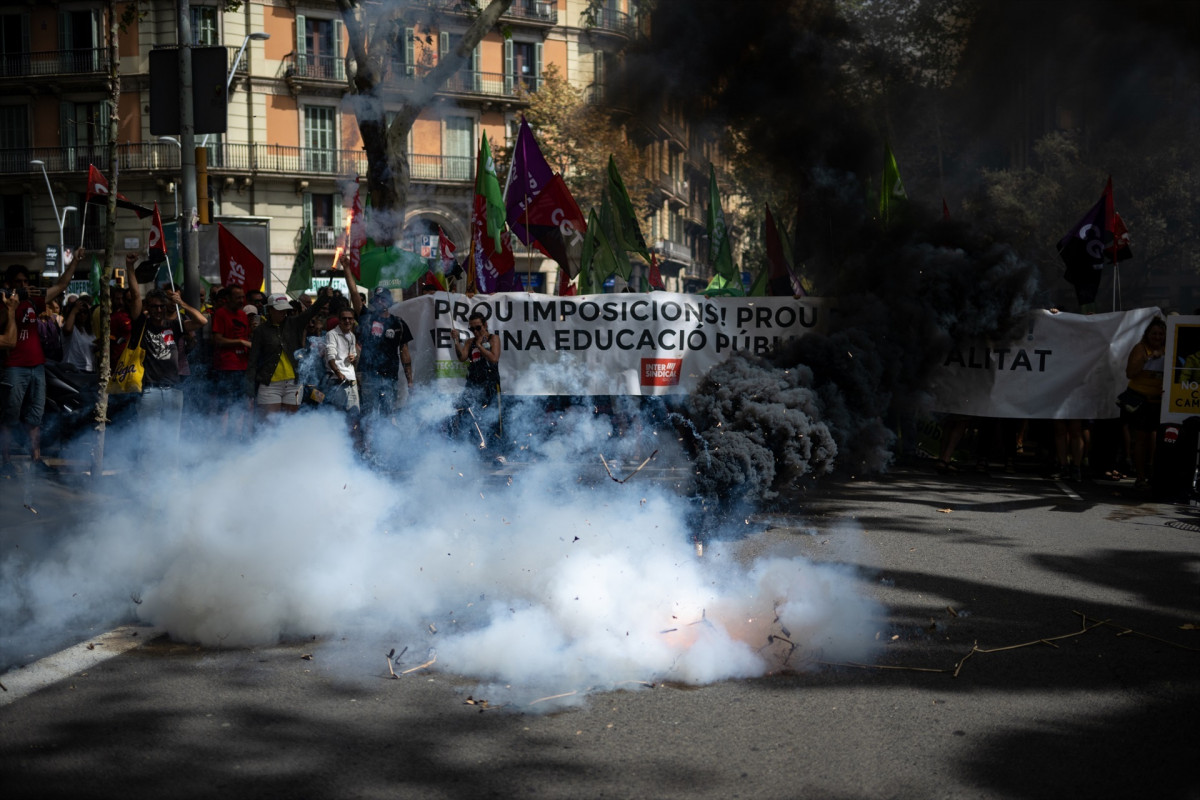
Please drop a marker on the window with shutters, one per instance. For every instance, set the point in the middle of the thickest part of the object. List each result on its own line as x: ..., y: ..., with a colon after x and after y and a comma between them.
x: 320, y: 138
x: 458, y: 148
x: 84, y: 130
x: 525, y: 68
x: 322, y: 211
x: 319, y: 48
x: 79, y: 37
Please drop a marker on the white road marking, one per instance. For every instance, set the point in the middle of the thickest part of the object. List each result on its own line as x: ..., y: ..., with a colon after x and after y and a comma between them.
x: 81, y: 657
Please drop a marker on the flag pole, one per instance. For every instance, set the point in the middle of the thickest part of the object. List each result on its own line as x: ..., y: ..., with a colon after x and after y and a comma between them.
x: 82, y: 228
x: 171, y: 278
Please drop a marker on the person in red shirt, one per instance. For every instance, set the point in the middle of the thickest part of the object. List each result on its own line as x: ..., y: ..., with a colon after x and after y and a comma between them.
x: 24, y: 370
x: 231, y: 352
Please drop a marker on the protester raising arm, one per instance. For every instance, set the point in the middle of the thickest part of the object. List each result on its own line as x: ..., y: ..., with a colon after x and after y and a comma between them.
x: 195, y: 318
x: 352, y: 287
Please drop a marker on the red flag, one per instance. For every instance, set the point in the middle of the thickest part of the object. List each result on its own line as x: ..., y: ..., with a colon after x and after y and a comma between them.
x: 446, y: 251
x: 1120, y: 241
x: 781, y: 279
x: 493, y: 271
x: 157, y: 247
x: 97, y: 193
x: 565, y: 287
x: 557, y: 225
x: 656, y: 281
x: 239, y: 266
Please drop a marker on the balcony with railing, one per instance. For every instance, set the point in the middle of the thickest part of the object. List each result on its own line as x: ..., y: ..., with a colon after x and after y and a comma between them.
x: 607, y: 20
x: 674, y: 251
x: 441, y: 168
x: 228, y: 159
x: 88, y: 61
x: 325, y: 237
x: 310, y: 67
x: 545, y: 11
x: 474, y: 82
x: 676, y: 187
x: 16, y: 240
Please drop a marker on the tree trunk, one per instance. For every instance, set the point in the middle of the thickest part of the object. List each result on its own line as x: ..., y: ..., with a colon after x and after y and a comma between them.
x: 110, y: 240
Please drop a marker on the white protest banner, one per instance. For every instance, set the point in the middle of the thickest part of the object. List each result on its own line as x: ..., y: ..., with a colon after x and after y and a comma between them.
x: 1065, y: 366
x: 612, y: 344
x: 1181, y: 396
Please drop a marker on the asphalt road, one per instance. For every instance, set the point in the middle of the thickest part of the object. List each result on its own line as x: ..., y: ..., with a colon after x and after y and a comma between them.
x: 1095, y: 593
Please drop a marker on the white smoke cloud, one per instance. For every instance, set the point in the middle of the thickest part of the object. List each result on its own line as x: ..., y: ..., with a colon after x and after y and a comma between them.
x: 533, y: 581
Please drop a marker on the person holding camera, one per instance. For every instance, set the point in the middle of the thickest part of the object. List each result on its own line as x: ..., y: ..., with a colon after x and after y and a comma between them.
x: 24, y: 369
x: 481, y: 350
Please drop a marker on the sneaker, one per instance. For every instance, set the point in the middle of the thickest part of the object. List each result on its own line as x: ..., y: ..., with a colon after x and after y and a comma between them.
x: 1055, y: 472
x: 1141, y: 484
x: 8, y: 470
x: 1076, y: 474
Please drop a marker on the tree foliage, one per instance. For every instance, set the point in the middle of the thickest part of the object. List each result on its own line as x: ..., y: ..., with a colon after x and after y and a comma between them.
x: 577, y: 138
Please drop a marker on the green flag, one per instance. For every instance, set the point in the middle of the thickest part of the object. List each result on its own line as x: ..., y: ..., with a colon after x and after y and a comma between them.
x: 720, y: 255
x: 612, y: 233
x: 626, y: 222
x: 891, y: 193
x: 720, y: 286
x: 488, y: 185
x: 95, y: 276
x: 300, y: 280
x: 759, y: 287
x: 598, y: 260
x: 389, y: 267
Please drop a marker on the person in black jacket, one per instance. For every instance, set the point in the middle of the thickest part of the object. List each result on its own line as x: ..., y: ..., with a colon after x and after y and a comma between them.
x: 271, y: 378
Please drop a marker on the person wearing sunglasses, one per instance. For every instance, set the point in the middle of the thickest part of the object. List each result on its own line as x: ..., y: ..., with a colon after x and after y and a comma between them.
x: 481, y: 397
x: 159, y: 332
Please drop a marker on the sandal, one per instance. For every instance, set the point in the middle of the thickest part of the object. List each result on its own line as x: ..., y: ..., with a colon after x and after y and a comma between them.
x: 946, y: 468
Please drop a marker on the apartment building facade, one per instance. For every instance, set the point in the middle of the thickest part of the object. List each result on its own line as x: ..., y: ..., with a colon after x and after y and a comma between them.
x: 292, y: 153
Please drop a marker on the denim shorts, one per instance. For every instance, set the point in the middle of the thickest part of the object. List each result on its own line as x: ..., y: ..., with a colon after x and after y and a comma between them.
x: 26, y: 397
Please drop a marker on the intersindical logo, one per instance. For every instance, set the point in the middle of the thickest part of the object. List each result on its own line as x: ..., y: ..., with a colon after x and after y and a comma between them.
x: 661, y: 371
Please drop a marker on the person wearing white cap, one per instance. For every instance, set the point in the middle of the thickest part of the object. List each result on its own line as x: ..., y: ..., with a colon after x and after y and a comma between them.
x: 271, y: 378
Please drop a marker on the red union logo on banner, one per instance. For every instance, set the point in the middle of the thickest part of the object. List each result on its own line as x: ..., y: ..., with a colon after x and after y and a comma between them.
x: 661, y: 371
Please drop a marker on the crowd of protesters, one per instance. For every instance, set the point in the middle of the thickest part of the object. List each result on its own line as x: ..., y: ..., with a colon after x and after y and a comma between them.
x: 246, y: 356
x: 240, y: 357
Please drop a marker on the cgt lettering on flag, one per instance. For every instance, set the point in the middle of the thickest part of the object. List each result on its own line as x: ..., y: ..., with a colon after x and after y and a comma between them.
x: 237, y: 273
x: 661, y: 371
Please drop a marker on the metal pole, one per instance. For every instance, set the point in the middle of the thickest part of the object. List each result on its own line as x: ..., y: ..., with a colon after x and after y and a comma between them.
x: 189, y: 242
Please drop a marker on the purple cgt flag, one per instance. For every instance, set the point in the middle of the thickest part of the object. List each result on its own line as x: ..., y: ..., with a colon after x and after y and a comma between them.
x: 528, y: 174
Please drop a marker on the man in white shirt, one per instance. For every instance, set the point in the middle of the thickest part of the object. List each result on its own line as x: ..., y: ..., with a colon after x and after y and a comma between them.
x: 341, y: 354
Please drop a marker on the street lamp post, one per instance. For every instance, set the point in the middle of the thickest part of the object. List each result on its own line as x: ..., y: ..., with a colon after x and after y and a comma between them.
x: 59, y: 220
